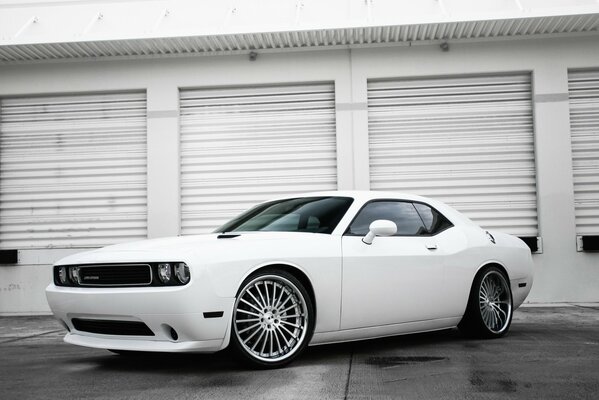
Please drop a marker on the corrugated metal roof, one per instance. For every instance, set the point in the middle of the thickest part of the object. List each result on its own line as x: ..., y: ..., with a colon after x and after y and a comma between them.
x: 47, y: 30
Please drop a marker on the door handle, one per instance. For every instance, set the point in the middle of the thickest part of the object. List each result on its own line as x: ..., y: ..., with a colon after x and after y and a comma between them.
x: 431, y: 246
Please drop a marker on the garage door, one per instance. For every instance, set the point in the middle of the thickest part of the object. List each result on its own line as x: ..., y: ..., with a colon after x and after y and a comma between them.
x: 240, y: 146
x: 584, y: 128
x: 467, y: 141
x: 72, y: 170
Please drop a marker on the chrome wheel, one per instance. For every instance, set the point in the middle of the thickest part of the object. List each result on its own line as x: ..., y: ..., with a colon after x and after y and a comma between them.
x: 495, y: 302
x: 271, y: 318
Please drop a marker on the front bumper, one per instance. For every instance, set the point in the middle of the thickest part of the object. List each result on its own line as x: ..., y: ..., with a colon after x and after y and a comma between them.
x: 180, y: 308
x: 95, y: 341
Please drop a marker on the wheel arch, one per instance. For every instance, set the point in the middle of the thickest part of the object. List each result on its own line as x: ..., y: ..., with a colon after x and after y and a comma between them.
x: 294, y: 270
x: 492, y: 263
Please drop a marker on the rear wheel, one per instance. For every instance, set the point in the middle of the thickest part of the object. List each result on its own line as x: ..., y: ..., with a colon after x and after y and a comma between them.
x: 489, y: 310
x: 273, y: 319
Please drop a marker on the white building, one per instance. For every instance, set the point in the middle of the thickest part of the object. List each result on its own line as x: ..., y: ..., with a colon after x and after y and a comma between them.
x: 134, y: 119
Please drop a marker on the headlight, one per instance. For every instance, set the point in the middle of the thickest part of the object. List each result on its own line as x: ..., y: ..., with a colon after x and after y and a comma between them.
x: 164, y: 272
x: 182, y: 272
x: 62, y: 275
x: 74, y: 275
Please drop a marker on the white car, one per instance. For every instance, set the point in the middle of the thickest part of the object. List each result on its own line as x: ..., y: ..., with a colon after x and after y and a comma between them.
x: 304, y: 270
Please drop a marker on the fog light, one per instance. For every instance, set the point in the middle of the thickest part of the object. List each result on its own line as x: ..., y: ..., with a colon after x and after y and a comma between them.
x: 62, y: 275
x: 182, y: 272
x: 74, y: 275
x: 164, y: 272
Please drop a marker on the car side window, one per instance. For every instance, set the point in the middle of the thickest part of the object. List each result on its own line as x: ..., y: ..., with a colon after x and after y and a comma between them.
x: 403, y: 213
x: 434, y: 222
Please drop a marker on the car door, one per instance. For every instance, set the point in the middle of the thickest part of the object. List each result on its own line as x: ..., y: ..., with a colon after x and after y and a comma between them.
x: 397, y: 278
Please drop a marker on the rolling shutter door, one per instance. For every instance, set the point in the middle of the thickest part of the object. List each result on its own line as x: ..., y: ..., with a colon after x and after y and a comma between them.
x: 72, y: 170
x: 467, y: 141
x: 584, y: 128
x: 241, y: 146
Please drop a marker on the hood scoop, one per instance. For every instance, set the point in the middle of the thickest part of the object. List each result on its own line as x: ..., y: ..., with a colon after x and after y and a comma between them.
x: 227, y: 236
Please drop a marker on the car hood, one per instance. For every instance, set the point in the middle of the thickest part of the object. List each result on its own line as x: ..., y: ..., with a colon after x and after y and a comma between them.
x: 175, y: 248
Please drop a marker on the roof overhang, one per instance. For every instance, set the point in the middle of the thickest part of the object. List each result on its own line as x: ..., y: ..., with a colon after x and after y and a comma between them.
x: 79, y: 29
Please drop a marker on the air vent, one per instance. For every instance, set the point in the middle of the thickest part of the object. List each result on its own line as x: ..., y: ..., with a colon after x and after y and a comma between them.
x: 588, y: 243
x: 109, y: 327
x: 9, y: 256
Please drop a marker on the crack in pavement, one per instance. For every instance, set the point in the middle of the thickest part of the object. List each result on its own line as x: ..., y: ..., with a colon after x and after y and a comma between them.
x: 586, y: 307
x: 351, y: 360
x: 29, y: 337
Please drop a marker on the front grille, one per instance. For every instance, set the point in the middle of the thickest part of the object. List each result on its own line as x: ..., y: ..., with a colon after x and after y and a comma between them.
x: 116, y: 275
x: 108, y: 327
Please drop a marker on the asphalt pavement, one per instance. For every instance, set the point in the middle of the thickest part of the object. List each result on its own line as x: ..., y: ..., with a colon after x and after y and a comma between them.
x: 549, y: 353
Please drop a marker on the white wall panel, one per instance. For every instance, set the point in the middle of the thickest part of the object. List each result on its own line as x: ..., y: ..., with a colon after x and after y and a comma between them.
x: 467, y: 141
x: 72, y: 170
x: 584, y: 129
x: 562, y: 273
x: 243, y: 145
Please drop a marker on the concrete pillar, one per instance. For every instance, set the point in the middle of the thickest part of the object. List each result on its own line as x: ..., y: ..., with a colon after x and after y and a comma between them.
x: 344, y: 128
x: 555, y: 191
x: 360, y: 129
x: 164, y: 214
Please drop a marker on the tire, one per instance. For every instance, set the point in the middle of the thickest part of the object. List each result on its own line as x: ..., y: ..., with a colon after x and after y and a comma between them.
x: 489, y: 310
x: 273, y: 319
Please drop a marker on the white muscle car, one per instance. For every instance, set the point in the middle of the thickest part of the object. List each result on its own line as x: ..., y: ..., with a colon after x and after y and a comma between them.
x: 304, y: 270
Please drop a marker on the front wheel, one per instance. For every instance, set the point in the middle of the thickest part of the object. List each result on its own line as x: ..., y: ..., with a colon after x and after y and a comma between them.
x: 273, y: 319
x: 489, y: 310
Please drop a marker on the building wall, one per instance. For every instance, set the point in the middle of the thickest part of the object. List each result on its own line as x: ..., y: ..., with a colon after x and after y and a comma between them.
x: 562, y: 273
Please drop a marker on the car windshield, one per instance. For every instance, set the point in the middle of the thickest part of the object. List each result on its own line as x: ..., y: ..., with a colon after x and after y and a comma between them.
x: 304, y: 214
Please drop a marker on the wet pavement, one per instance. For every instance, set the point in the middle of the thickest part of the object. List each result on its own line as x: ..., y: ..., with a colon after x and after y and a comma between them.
x: 550, y: 353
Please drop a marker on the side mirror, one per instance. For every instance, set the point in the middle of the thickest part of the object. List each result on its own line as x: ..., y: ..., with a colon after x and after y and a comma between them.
x: 380, y: 227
